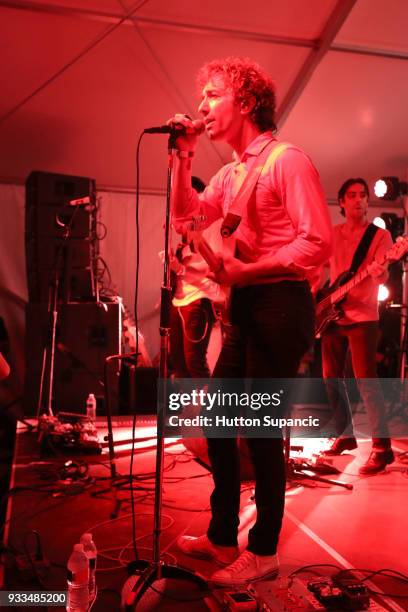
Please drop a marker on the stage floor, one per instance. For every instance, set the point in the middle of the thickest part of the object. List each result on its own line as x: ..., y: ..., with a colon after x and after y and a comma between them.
x: 324, y: 524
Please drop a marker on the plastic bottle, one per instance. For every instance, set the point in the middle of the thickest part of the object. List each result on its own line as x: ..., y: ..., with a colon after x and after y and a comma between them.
x: 78, y: 580
x: 91, y: 407
x: 91, y: 553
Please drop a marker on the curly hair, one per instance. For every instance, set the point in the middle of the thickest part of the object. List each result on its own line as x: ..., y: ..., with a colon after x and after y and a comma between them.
x: 248, y: 81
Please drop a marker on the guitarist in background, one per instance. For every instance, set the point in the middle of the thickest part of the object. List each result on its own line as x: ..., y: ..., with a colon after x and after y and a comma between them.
x: 192, y: 312
x: 283, y: 236
x: 357, y: 329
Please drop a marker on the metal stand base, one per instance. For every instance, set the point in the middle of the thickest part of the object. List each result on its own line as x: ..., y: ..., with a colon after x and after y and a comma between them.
x: 151, y: 573
x: 295, y: 474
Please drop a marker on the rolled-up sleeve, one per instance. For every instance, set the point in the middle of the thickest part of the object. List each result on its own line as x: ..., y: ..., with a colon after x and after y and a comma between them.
x: 297, y: 183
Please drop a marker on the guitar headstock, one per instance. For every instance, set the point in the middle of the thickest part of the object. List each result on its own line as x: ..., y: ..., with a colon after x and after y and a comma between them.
x: 398, y: 249
x: 193, y: 231
x: 196, y: 223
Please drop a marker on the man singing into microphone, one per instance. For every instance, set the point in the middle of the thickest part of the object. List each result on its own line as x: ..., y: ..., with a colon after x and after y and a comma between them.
x: 283, y: 236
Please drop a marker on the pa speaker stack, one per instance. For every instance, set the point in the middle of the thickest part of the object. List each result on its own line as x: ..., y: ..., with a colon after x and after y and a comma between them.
x: 61, y: 253
x: 60, y: 238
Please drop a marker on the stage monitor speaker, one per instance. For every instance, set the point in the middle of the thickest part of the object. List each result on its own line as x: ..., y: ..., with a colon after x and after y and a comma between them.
x: 86, y: 334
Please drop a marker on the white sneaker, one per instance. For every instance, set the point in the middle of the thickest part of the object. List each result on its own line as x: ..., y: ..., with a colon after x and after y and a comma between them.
x: 202, y: 548
x: 247, y: 568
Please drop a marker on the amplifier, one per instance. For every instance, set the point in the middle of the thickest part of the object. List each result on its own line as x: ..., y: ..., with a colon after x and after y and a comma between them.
x: 86, y: 334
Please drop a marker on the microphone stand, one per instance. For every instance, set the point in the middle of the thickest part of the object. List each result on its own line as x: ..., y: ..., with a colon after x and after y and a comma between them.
x: 152, y: 571
x: 400, y: 407
x: 53, y: 296
x: 403, y: 362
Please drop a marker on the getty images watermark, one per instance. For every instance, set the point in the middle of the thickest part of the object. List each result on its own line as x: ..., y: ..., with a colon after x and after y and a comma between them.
x: 218, y: 400
x: 222, y: 408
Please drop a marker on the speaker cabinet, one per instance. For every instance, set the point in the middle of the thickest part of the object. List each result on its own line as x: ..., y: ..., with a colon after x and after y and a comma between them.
x: 50, y: 189
x: 85, y: 335
x: 49, y: 248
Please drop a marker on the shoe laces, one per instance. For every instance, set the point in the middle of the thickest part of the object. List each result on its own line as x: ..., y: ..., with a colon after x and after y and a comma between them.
x: 242, y: 562
x: 203, y: 539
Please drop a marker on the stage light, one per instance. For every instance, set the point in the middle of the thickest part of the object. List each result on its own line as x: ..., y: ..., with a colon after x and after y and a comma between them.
x: 383, y: 293
x: 389, y: 188
x: 380, y: 188
x: 379, y: 222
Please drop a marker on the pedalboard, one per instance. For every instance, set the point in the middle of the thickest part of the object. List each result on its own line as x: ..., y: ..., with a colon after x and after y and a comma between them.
x: 285, y: 595
x: 340, y: 594
x: 319, y: 594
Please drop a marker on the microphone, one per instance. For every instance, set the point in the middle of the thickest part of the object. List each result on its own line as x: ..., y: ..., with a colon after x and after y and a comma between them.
x: 197, y: 127
x: 80, y: 201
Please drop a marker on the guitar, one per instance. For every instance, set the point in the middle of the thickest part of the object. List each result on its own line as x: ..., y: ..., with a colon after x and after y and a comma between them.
x: 328, y: 309
x: 199, y: 244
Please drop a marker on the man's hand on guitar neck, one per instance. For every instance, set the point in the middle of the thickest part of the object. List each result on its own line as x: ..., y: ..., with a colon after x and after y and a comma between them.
x: 378, y: 272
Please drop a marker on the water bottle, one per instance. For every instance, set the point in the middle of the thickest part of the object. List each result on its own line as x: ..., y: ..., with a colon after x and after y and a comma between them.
x: 91, y: 553
x: 91, y: 407
x: 78, y: 580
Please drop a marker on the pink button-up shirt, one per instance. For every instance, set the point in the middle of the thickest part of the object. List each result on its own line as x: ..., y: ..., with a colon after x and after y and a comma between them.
x: 287, y: 216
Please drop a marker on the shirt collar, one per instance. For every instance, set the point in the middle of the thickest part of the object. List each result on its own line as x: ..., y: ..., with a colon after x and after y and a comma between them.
x: 255, y: 147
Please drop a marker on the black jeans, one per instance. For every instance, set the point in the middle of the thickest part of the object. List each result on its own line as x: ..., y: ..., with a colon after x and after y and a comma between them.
x: 273, y: 326
x: 190, y: 331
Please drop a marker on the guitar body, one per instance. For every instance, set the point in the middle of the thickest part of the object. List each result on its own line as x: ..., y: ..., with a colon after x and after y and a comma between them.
x: 199, y: 244
x: 328, y: 307
x: 331, y: 313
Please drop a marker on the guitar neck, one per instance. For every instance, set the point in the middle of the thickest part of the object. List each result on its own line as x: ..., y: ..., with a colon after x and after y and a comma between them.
x: 342, y: 291
x: 396, y: 252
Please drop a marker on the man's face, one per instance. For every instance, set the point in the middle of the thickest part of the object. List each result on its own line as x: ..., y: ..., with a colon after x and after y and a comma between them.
x: 355, y: 202
x: 222, y: 115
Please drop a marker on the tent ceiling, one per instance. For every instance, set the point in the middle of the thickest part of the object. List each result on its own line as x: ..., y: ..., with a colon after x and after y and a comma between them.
x: 348, y: 110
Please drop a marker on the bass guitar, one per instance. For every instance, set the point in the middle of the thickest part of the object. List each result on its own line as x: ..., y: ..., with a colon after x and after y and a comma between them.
x: 329, y: 309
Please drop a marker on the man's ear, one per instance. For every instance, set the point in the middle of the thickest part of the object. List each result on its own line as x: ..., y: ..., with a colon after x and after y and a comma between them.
x: 247, y: 105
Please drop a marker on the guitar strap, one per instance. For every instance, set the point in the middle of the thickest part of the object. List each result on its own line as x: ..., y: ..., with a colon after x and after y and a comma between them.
x: 362, y: 249
x: 269, y: 153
